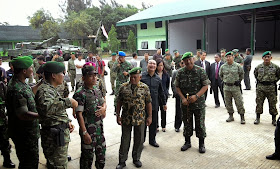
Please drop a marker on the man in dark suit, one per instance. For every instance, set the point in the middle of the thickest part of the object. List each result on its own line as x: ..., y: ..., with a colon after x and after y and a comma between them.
x: 216, y: 82
x: 205, y: 65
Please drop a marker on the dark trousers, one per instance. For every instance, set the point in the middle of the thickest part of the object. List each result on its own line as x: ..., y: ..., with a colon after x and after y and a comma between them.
x: 277, y: 138
x: 216, y: 88
x: 178, y: 115
x: 152, y: 127
x: 5, y: 146
x: 247, y: 79
x: 138, y: 140
x: 205, y: 94
x: 162, y: 113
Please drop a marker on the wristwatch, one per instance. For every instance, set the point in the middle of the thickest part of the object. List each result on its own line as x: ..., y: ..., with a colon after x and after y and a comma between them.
x: 196, y: 96
x: 84, y: 133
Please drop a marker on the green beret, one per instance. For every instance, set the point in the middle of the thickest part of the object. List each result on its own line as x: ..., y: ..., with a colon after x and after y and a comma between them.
x: 135, y: 70
x: 53, y: 67
x: 266, y: 53
x: 73, y: 53
x: 38, y: 53
x: 187, y: 55
x: 59, y: 59
x: 175, y: 51
x: 114, y: 54
x: 23, y: 62
x: 235, y: 50
x: 229, y: 53
x: 166, y: 50
x: 87, y: 70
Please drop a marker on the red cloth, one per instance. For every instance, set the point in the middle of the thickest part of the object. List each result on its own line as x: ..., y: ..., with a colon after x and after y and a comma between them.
x: 101, y: 64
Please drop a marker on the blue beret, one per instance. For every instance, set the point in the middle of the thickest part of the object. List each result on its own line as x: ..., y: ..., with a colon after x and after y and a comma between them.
x: 121, y: 53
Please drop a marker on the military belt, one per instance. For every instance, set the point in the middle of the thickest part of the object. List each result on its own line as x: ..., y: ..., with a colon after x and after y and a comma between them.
x: 267, y: 83
x: 59, y: 126
x: 57, y: 132
x: 229, y: 84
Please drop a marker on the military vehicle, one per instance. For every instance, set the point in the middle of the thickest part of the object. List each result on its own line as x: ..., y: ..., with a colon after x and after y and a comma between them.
x: 29, y: 48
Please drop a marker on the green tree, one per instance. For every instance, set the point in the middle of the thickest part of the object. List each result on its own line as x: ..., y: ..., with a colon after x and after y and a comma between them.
x: 50, y: 29
x: 68, y: 6
x: 113, y: 40
x: 131, y: 42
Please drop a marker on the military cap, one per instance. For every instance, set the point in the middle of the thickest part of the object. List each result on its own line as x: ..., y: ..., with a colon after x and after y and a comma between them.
x: 73, y: 53
x: 235, y: 50
x: 166, y: 50
x: 88, y: 70
x: 175, y: 51
x: 187, y: 55
x: 53, y: 67
x: 23, y: 62
x: 121, y: 53
x: 229, y: 53
x: 135, y: 70
x: 266, y: 53
x: 114, y: 54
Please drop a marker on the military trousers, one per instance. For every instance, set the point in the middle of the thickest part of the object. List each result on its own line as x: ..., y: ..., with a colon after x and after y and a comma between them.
x: 97, y: 147
x: 138, y: 140
x: 27, y: 151
x: 103, y: 80
x: 178, y: 113
x: 117, y: 88
x: 238, y: 99
x: 72, y: 77
x: 112, y: 80
x: 56, y: 155
x: 247, y: 79
x: 187, y: 118
x: 5, y: 146
x: 277, y: 137
x: 272, y: 100
x: 152, y: 127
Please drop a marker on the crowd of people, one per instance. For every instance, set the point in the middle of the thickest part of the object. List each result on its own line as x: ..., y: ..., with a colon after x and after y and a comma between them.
x: 31, y: 110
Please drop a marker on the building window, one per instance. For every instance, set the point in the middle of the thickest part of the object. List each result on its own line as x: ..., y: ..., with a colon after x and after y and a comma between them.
x: 143, y: 25
x: 158, y: 44
x: 144, y: 45
x: 158, y: 24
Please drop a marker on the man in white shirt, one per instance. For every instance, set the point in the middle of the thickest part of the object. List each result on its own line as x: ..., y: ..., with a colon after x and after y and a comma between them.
x: 133, y: 61
x: 79, y: 63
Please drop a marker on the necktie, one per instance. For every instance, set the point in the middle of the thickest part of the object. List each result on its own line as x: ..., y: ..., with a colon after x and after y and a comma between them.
x: 202, y: 65
x: 217, y: 71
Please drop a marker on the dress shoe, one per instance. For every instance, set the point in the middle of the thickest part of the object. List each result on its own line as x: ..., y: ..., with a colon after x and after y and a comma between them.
x: 137, y: 163
x: 164, y: 129
x: 120, y: 166
x: 242, y: 119
x: 273, y: 156
x: 155, y: 144
x: 246, y: 89
x: 69, y: 158
x: 217, y: 106
x: 177, y: 130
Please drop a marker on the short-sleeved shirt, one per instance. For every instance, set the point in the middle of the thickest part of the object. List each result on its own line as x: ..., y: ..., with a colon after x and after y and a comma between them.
x: 79, y: 63
x: 51, y: 106
x: 134, y: 99
x: 124, y: 67
x: 71, y: 65
x: 20, y: 99
x: 110, y: 65
x: 190, y: 82
x: 99, y: 84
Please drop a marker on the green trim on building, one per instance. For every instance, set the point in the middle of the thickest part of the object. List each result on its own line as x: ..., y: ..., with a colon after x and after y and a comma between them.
x: 253, y: 31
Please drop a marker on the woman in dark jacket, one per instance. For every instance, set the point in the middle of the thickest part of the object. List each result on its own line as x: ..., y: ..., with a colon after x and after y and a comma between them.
x: 165, y: 81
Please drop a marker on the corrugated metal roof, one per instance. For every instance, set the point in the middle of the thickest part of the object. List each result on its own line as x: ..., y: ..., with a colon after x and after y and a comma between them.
x: 193, y: 8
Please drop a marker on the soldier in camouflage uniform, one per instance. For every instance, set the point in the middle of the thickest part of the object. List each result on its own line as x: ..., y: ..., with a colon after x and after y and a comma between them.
x: 5, y: 146
x: 36, y: 67
x: 62, y: 89
x: 267, y: 74
x: 177, y: 59
x: 113, y: 75
x: 134, y: 97
x: 191, y: 84
x: 237, y: 57
x: 23, y: 126
x: 31, y: 78
x: 223, y: 55
x: 90, y: 113
x: 122, y: 67
x: 231, y: 73
x: 72, y: 70
x: 198, y: 54
x: 56, y: 126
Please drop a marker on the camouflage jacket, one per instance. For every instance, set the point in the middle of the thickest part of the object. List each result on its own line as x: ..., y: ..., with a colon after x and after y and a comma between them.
x: 177, y: 61
x: 124, y: 67
x: 36, y: 65
x: 231, y: 74
x: 71, y: 66
x: 238, y: 59
x: 51, y: 106
x: 191, y: 81
x: 63, y: 89
x: 167, y: 66
x: 19, y: 100
x: 3, y: 115
x: 134, y: 102
x: 88, y: 100
x: 99, y: 83
x: 110, y: 65
x: 270, y: 73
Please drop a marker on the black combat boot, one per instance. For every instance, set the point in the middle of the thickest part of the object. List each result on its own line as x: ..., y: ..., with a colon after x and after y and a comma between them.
x: 273, y: 156
x: 242, y: 119
x: 187, y: 144
x: 72, y: 89
x: 201, y: 145
x: 121, y: 165
x: 230, y: 118
x: 69, y: 158
x: 257, y: 121
x: 274, y: 120
x: 7, y: 161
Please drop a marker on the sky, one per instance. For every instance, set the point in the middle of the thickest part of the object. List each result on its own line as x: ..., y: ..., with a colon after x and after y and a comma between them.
x: 15, y: 12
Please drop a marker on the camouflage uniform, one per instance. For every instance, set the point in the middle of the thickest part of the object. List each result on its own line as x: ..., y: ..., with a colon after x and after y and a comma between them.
x: 5, y: 146
x: 177, y: 61
x: 88, y: 100
x: 121, y: 78
x: 63, y: 89
x: 238, y: 59
x: 36, y: 66
x: 72, y: 72
x: 224, y: 59
x: 266, y: 77
x: 55, y: 122
x: 191, y: 82
x: 134, y: 99
x: 167, y: 66
x: 230, y: 75
x: 99, y: 83
x: 24, y: 134
x: 113, y: 74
